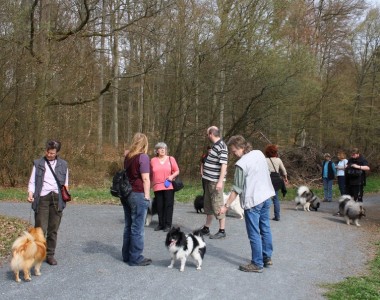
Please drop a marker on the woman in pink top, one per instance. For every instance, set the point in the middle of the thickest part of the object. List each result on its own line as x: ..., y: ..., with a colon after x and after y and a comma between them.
x: 164, y: 170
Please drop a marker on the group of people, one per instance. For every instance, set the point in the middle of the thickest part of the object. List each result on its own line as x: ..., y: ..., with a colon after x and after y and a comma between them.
x: 351, y: 175
x: 252, y: 182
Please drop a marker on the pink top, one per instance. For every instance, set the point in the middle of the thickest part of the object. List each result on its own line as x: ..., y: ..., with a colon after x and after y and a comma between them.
x: 160, y: 171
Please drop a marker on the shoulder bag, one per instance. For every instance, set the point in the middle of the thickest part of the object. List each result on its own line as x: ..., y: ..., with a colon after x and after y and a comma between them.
x: 177, y: 182
x: 66, y: 197
x: 277, y: 181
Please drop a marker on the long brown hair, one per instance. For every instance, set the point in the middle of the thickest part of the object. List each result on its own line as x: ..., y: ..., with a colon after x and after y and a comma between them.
x: 139, y: 145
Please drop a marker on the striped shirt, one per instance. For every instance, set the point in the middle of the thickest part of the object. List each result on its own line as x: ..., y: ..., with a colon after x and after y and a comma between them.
x: 214, y: 161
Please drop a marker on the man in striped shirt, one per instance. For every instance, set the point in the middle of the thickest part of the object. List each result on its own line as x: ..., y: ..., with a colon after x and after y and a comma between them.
x: 214, y: 173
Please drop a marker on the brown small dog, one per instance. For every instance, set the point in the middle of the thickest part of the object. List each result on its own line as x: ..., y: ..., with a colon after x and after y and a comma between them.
x: 27, y: 251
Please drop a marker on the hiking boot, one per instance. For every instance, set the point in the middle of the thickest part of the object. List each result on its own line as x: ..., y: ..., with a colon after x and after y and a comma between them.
x: 205, y: 230
x: 268, y: 262
x: 144, y: 262
x: 218, y: 235
x: 51, y: 260
x: 251, y: 268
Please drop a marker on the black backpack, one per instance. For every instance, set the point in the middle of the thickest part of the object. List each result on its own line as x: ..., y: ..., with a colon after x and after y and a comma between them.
x: 121, y: 187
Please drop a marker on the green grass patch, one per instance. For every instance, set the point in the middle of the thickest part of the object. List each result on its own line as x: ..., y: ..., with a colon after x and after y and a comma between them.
x: 362, y: 287
x: 101, y: 195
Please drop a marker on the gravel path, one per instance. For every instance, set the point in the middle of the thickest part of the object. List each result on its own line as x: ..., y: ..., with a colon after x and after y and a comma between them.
x: 309, y: 249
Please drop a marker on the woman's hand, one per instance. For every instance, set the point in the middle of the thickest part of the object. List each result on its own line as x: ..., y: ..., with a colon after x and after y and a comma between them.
x: 30, y: 197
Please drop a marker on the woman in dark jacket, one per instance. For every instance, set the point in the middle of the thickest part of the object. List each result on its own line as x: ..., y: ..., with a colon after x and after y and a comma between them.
x: 328, y: 176
x: 355, y: 175
x: 45, y: 196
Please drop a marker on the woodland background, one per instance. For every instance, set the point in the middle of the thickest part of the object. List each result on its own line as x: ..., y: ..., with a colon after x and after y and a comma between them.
x: 302, y: 74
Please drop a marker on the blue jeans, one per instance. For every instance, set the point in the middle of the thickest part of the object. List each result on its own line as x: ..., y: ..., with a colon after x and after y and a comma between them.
x: 327, y: 188
x: 342, y: 185
x: 259, y: 233
x: 276, y: 206
x: 135, y: 209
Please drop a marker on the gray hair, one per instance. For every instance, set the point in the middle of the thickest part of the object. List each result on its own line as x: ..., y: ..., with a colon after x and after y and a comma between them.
x: 160, y: 145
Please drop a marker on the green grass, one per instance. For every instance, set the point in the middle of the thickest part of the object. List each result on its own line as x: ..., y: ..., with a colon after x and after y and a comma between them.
x: 362, y: 287
x: 90, y: 195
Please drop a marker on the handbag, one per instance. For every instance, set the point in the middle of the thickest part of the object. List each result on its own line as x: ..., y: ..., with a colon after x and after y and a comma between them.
x: 65, y: 194
x: 276, y: 179
x: 177, y: 182
x: 353, y: 172
x: 66, y: 197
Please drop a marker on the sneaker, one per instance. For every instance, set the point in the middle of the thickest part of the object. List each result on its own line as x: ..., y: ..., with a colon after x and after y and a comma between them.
x: 166, y: 229
x: 276, y: 219
x: 218, y: 235
x: 251, y: 268
x: 268, y: 262
x: 158, y: 228
x: 205, y: 230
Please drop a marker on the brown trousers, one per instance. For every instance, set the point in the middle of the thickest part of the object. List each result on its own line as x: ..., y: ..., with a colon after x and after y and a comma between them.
x: 49, y: 219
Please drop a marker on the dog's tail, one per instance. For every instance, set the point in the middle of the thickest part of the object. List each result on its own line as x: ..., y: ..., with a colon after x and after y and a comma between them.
x: 344, y: 198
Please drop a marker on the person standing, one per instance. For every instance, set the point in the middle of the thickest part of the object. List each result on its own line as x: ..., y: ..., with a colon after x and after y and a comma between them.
x: 328, y: 175
x: 45, y: 195
x: 214, y: 173
x: 252, y: 182
x: 341, y: 167
x: 275, y: 165
x: 203, y: 160
x: 164, y: 169
x: 355, y: 175
x: 137, y: 166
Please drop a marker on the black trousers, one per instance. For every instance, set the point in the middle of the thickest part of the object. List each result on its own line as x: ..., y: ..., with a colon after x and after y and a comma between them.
x: 355, y: 191
x: 165, y: 207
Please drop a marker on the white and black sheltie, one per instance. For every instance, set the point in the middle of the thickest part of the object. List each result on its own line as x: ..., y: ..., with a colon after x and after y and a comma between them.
x: 181, y: 246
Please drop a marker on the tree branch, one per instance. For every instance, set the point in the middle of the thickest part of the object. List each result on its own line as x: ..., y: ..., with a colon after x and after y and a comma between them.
x: 54, y: 102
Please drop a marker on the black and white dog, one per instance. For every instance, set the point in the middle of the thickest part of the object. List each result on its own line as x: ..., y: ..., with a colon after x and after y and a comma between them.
x: 306, y: 198
x: 152, y: 210
x: 181, y: 246
x: 351, y: 210
x: 235, y: 208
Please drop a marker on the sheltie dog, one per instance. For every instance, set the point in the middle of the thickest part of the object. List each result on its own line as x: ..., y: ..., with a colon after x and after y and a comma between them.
x: 181, y: 246
x: 306, y: 198
x: 27, y: 251
x: 351, y: 210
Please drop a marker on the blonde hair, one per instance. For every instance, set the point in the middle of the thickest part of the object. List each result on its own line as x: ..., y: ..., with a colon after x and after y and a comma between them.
x: 341, y: 154
x: 139, y: 145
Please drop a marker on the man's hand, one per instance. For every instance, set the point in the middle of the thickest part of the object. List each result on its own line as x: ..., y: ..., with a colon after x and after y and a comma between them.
x: 222, y: 210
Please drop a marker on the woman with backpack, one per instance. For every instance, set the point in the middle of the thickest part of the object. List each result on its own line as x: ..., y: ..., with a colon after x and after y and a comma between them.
x: 137, y: 166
